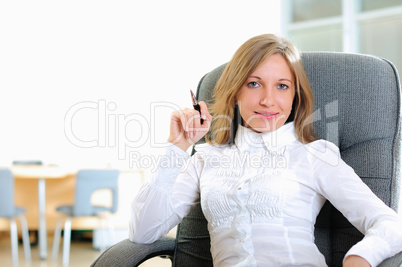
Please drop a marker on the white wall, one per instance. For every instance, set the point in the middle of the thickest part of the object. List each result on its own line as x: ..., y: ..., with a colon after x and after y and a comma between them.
x: 69, y: 70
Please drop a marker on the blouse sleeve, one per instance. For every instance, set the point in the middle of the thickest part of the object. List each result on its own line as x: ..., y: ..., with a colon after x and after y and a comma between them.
x: 338, y: 183
x: 165, y: 199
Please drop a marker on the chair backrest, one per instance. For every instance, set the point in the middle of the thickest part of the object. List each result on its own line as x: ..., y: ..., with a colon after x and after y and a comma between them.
x: 357, y: 107
x: 89, y: 181
x: 7, y: 208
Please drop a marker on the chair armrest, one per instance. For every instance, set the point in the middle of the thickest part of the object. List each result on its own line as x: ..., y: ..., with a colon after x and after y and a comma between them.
x: 395, y: 261
x: 128, y: 254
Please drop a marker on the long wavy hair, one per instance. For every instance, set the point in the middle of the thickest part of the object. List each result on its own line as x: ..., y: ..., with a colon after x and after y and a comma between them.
x: 246, y: 59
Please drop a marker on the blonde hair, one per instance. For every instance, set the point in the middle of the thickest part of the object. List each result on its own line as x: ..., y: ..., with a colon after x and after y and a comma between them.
x: 244, y: 62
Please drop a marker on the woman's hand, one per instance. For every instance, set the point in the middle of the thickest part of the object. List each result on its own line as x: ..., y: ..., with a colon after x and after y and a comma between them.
x: 186, y: 128
x: 355, y: 261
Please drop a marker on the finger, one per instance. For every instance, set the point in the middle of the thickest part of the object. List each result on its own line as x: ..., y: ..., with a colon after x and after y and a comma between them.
x: 184, y: 115
x: 205, y: 115
x: 199, y: 123
x: 204, y: 109
x: 189, y: 118
x: 194, y: 121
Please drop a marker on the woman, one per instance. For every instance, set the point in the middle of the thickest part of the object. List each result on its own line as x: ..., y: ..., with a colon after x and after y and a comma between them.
x: 261, y: 194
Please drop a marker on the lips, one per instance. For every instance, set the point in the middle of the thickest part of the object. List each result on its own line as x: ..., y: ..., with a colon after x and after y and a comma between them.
x: 267, y: 115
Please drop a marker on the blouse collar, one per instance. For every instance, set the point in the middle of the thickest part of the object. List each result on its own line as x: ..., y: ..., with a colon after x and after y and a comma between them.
x: 248, y: 139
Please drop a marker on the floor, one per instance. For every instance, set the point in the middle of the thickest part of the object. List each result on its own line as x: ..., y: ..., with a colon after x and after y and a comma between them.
x: 81, y: 254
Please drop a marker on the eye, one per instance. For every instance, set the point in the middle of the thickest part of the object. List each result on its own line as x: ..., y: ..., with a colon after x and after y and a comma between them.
x: 253, y: 84
x: 283, y: 86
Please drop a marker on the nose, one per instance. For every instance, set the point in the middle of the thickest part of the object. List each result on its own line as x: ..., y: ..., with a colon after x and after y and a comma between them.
x: 267, y: 97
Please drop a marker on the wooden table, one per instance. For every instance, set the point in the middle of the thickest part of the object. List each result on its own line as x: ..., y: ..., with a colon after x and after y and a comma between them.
x: 41, y: 173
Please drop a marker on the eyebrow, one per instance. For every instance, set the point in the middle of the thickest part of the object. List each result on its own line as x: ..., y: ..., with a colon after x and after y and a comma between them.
x: 282, y: 79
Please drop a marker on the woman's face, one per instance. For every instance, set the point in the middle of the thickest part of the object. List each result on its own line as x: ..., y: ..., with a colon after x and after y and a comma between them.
x: 265, y: 100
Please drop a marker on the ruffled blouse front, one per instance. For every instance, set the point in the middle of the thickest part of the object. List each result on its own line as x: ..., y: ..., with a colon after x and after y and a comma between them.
x: 259, y: 201
x: 261, y: 198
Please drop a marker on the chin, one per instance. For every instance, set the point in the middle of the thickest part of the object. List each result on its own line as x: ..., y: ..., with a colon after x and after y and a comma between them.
x: 264, y: 127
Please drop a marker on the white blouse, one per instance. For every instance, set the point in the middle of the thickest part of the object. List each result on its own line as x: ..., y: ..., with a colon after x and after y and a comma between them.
x: 261, y: 198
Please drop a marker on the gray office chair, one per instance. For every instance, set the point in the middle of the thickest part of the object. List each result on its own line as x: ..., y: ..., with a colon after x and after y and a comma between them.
x: 358, y: 107
x: 9, y: 211
x: 88, y: 181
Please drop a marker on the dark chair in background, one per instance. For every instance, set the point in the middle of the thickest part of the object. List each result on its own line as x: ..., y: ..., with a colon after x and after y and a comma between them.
x: 358, y: 107
x: 33, y: 234
x: 9, y: 211
x: 87, y: 182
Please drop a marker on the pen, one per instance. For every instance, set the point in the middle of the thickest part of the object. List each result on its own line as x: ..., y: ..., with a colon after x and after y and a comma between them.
x: 196, y: 105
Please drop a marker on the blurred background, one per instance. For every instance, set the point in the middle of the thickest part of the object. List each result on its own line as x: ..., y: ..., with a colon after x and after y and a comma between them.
x: 88, y: 82
x: 92, y: 84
